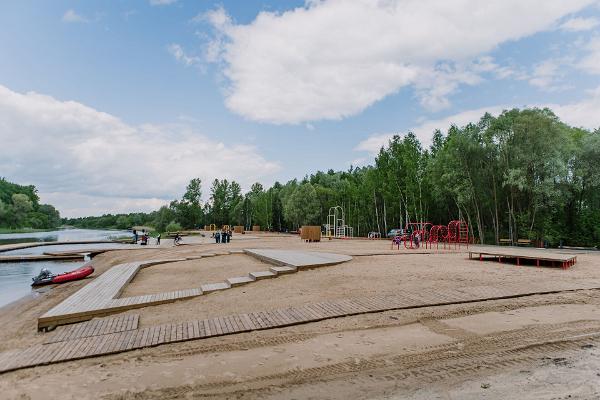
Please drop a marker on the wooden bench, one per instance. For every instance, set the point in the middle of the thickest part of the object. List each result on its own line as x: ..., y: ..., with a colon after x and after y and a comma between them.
x: 523, y: 242
x: 505, y: 241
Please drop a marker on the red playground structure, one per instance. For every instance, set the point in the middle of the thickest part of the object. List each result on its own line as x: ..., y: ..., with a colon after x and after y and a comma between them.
x: 425, y: 234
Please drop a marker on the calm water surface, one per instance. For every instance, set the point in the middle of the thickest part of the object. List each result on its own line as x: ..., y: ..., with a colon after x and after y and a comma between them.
x: 15, y: 278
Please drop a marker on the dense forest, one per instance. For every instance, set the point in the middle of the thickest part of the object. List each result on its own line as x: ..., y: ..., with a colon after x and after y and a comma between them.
x: 523, y: 174
x: 20, y: 208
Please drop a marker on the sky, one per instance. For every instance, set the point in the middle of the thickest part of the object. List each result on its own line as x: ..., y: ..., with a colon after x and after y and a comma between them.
x: 110, y: 107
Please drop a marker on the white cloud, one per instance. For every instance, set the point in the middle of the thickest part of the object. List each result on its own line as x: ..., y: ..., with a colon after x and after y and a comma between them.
x: 66, y: 148
x: 333, y: 58
x: 161, y: 2
x: 71, y: 16
x: 579, y: 24
x: 181, y: 56
x: 583, y: 113
x: 548, y: 74
x: 591, y: 61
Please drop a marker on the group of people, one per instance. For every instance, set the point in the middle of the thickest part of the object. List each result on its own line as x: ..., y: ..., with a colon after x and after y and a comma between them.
x: 144, y: 237
x: 222, y: 236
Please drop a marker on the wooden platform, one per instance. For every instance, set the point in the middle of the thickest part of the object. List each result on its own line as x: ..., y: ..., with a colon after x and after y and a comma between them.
x: 41, y: 257
x: 298, y: 259
x: 19, y: 246
x: 540, y: 257
x: 101, y: 297
x: 94, y: 327
x: 91, y: 251
x: 128, y: 338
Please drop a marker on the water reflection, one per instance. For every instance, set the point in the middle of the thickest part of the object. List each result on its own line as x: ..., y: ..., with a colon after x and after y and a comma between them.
x: 15, y: 278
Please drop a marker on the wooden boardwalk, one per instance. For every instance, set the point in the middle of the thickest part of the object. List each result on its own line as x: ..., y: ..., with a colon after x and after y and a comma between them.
x: 100, y: 297
x: 126, y: 337
x: 95, y: 327
x: 539, y: 256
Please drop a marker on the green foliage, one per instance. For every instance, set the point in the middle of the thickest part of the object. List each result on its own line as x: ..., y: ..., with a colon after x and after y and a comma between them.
x: 302, y: 206
x: 20, y: 208
x: 173, y: 227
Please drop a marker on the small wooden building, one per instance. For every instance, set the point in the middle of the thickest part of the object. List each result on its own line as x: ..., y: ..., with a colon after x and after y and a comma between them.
x: 310, y: 233
x: 255, y: 228
x: 238, y: 229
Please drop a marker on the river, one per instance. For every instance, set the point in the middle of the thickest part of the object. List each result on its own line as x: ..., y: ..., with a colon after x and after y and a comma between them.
x: 15, y: 278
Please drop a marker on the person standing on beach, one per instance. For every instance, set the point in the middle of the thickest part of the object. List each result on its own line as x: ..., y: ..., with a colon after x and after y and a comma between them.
x: 135, y: 236
x: 158, y: 240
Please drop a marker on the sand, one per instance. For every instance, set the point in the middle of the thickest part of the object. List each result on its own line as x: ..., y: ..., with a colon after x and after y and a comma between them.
x: 433, y: 352
x: 191, y: 274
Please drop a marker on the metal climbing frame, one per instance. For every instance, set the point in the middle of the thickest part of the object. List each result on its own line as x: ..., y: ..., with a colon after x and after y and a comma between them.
x: 437, y: 234
x: 336, y: 224
x: 458, y: 233
x: 417, y: 228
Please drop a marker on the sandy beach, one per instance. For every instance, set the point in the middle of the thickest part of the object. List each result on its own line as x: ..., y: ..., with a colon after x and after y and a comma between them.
x: 482, y: 349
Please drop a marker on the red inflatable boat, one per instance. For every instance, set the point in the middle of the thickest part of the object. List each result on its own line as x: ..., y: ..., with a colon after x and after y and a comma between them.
x: 79, y: 273
x: 45, y: 277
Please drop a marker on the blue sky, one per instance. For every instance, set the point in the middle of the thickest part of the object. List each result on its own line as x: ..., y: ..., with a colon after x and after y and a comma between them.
x: 114, y: 106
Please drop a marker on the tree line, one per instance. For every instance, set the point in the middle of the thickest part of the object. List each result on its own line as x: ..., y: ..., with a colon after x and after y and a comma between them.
x: 521, y: 175
x: 20, y: 208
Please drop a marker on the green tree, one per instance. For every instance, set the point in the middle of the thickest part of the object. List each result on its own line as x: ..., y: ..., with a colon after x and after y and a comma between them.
x: 302, y: 207
x: 21, y: 205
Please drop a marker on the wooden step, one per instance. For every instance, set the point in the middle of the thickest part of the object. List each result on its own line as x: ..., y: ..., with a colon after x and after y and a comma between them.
x: 283, y: 270
x: 240, y: 280
x: 213, y: 287
x: 258, y: 275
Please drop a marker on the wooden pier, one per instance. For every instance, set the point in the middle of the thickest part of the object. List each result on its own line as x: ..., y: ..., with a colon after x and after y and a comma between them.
x: 539, y: 257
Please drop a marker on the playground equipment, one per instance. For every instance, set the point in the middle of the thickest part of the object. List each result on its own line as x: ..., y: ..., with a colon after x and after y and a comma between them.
x: 426, y: 235
x: 437, y: 235
x: 458, y: 233
x: 210, y: 228
x: 336, y: 224
x: 419, y: 234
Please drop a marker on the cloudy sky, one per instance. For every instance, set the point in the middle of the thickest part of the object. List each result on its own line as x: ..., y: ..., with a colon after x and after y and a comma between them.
x: 115, y: 106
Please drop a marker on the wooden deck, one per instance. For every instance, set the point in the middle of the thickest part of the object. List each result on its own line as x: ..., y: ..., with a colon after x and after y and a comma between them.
x: 101, y: 296
x: 541, y: 257
x: 298, y: 259
x: 125, y: 337
x: 19, y: 246
x: 41, y: 257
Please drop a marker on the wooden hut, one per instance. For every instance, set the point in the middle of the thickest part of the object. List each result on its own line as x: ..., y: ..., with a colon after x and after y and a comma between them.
x: 310, y: 233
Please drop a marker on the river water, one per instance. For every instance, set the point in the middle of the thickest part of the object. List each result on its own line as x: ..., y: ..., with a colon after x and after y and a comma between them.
x: 15, y: 278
